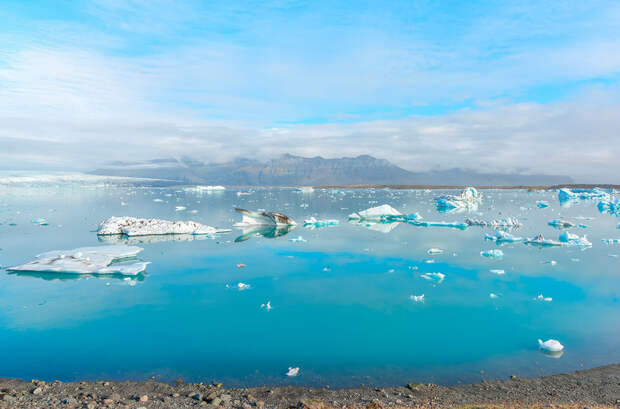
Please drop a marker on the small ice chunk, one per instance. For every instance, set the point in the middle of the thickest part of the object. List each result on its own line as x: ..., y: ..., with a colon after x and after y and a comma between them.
x: 435, y: 277
x: 243, y: 286
x: 542, y: 204
x: 179, y: 208
x: 611, y: 241
x: 550, y: 345
x: 502, y: 236
x: 560, y: 224
x: 492, y: 295
x: 40, y: 222
x: 434, y: 251
x: 497, y: 271
x: 417, y: 298
x: 292, y: 371
x: 266, y: 306
x: 493, y: 253
x: 298, y: 239
x: 541, y: 297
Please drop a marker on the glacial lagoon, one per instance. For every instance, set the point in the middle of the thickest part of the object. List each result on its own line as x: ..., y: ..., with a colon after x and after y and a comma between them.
x: 345, y: 299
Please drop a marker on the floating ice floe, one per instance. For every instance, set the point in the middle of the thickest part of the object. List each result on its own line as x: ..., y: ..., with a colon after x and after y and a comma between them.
x: 158, y: 200
x: 456, y: 225
x: 87, y: 260
x: 132, y: 226
x: 180, y: 208
x: 469, y: 199
x: 434, y: 251
x: 203, y: 188
x: 497, y: 271
x: 252, y: 218
x: 305, y: 189
x: 611, y: 206
x: 298, y: 239
x: 542, y: 204
x: 507, y: 223
x: 576, y: 194
x: 574, y: 240
x: 379, y: 213
x: 492, y: 295
x: 543, y: 298
x: 435, y: 277
x: 243, y: 286
x: 40, y: 222
x: 550, y: 345
x: 292, y: 371
x: 494, y: 253
x: 266, y: 306
x: 502, y: 236
x: 417, y: 298
x: 541, y: 241
x: 314, y: 223
x: 611, y: 241
x: 560, y: 224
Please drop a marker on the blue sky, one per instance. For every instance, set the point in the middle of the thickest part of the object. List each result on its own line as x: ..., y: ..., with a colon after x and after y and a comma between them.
x: 490, y: 85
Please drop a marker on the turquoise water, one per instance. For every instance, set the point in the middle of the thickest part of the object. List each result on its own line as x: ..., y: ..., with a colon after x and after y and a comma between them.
x: 341, y: 307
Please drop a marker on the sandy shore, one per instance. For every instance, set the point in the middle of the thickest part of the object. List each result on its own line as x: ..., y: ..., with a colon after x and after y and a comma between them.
x: 599, y: 387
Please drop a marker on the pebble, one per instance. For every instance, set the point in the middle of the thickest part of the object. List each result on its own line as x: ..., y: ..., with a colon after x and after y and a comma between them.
x: 144, y: 398
x: 37, y: 391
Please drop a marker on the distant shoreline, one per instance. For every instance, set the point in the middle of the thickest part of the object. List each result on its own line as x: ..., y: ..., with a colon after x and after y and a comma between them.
x: 590, y: 388
x: 412, y: 187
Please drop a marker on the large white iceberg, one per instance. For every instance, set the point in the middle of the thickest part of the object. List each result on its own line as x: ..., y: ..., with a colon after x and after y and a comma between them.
x: 469, y: 199
x: 87, y: 260
x: 251, y: 218
x: 383, y: 212
x: 132, y: 226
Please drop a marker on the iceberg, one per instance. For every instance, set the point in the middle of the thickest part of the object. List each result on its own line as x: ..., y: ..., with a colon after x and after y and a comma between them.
x: 502, y: 236
x: 611, y: 241
x: 550, y: 345
x: 87, y: 260
x: 506, y: 223
x: 469, y: 199
x: 132, y: 226
x: 313, y: 223
x: 541, y: 241
x: 570, y: 239
x: 560, y: 224
x: 417, y: 298
x: 494, y: 253
x: 251, y: 218
x: 379, y: 213
x: 434, y: 277
x: 565, y: 195
x: 611, y: 206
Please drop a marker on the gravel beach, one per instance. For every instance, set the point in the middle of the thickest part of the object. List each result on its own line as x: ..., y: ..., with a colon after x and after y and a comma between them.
x: 599, y: 387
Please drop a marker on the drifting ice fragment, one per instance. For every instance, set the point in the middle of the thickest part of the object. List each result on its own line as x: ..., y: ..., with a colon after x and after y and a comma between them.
x: 434, y: 251
x: 417, y: 298
x: 494, y: 253
x: 542, y: 204
x: 86, y: 260
x: 550, y: 345
x: 292, y: 371
x: 541, y: 241
x: 200, y: 189
x: 298, y: 239
x: 243, y: 286
x: 497, y: 271
x: 502, y: 236
x: 543, y: 298
x: 576, y: 194
x: 560, y: 224
x: 611, y: 206
x: 266, y: 306
x: 383, y: 212
x: 313, y: 223
x: 435, y: 277
x: 40, y: 222
x: 251, y: 218
x: 131, y: 226
x: 179, y: 208
x: 493, y: 295
x: 611, y: 241
x: 469, y: 199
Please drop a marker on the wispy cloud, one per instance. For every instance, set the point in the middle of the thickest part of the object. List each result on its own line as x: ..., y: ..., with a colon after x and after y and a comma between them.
x: 486, y: 86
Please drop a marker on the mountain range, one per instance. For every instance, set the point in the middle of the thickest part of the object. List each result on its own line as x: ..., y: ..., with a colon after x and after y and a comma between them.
x: 290, y: 170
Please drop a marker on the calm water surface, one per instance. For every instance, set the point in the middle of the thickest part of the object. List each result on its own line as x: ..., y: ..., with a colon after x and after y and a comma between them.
x: 341, y: 306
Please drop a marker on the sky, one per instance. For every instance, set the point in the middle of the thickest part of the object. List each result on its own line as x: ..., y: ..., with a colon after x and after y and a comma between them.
x: 495, y: 86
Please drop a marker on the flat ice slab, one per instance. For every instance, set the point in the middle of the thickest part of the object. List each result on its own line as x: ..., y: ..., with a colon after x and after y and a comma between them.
x: 87, y: 260
x: 132, y: 226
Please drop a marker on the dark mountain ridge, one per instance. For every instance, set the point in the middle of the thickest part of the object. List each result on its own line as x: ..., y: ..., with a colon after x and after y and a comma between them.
x: 290, y: 170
